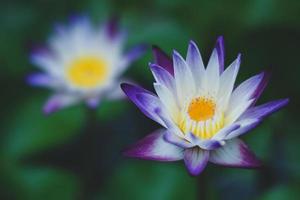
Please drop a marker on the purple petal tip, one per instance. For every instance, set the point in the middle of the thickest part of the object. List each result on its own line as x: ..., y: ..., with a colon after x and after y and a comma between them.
x: 193, y: 43
x: 136, y: 52
x: 195, y: 160
x: 125, y: 87
x: 162, y: 59
x: 49, y: 108
x: 249, y: 158
x: 265, y: 77
x: 112, y: 27
x: 220, y: 50
x: 176, y: 53
x: 154, y: 147
x: 220, y: 39
x: 150, y: 64
x: 281, y: 103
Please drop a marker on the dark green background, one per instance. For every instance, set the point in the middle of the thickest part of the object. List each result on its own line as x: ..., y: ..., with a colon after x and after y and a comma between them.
x: 75, y: 153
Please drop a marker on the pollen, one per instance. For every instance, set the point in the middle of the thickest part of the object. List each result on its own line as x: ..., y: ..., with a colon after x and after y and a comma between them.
x: 87, y: 72
x: 201, y: 109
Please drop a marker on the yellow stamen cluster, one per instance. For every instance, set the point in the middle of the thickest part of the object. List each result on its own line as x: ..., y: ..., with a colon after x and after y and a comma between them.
x: 200, y: 118
x: 87, y: 72
x: 201, y: 109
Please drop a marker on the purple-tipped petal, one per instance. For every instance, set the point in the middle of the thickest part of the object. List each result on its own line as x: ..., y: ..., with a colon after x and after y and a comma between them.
x: 112, y: 27
x: 221, y: 52
x: 195, y: 62
x: 154, y: 147
x: 250, y: 86
x: 146, y: 101
x: 234, y: 154
x: 245, y: 91
x: 245, y: 126
x: 162, y: 59
x: 39, y: 79
x: 135, y: 52
x: 254, y: 115
x: 193, y: 57
x: 162, y: 76
x: 58, y: 101
x: 262, y: 85
x: 151, y: 104
x: 178, y: 60
x: 264, y: 110
x: 176, y: 140
x: 195, y: 160
x: 131, y: 90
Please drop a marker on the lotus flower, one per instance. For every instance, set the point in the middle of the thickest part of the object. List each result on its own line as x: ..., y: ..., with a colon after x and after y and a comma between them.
x: 82, y: 63
x: 201, y: 112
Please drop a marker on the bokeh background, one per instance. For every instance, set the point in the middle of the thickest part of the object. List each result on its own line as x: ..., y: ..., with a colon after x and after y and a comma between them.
x: 75, y: 153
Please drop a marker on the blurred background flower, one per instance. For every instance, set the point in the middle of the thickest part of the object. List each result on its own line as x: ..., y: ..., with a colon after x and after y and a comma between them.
x: 83, y: 62
x: 46, y: 158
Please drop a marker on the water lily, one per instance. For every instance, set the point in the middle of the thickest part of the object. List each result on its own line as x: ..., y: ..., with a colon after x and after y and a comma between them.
x: 201, y: 111
x: 82, y: 62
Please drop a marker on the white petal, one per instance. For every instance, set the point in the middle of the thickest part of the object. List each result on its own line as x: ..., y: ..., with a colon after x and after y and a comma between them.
x: 233, y: 114
x: 221, y: 135
x: 212, y: 76
x: 227, y: 80
x: 168, y: 99
x: 183, y: 78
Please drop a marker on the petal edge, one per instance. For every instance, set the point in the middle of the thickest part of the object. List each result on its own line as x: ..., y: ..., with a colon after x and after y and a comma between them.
x: 234, y: 154
x: 195, y: 160
x: 154, y: 147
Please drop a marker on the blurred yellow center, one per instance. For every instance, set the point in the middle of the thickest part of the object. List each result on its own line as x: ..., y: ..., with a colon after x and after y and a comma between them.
x: 87, y: 72
x: 201, y: 109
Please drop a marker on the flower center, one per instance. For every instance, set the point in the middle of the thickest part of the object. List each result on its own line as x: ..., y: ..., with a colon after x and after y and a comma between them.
x: 87, y: 72
x: 201, y: 117
x: 201, y: 109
